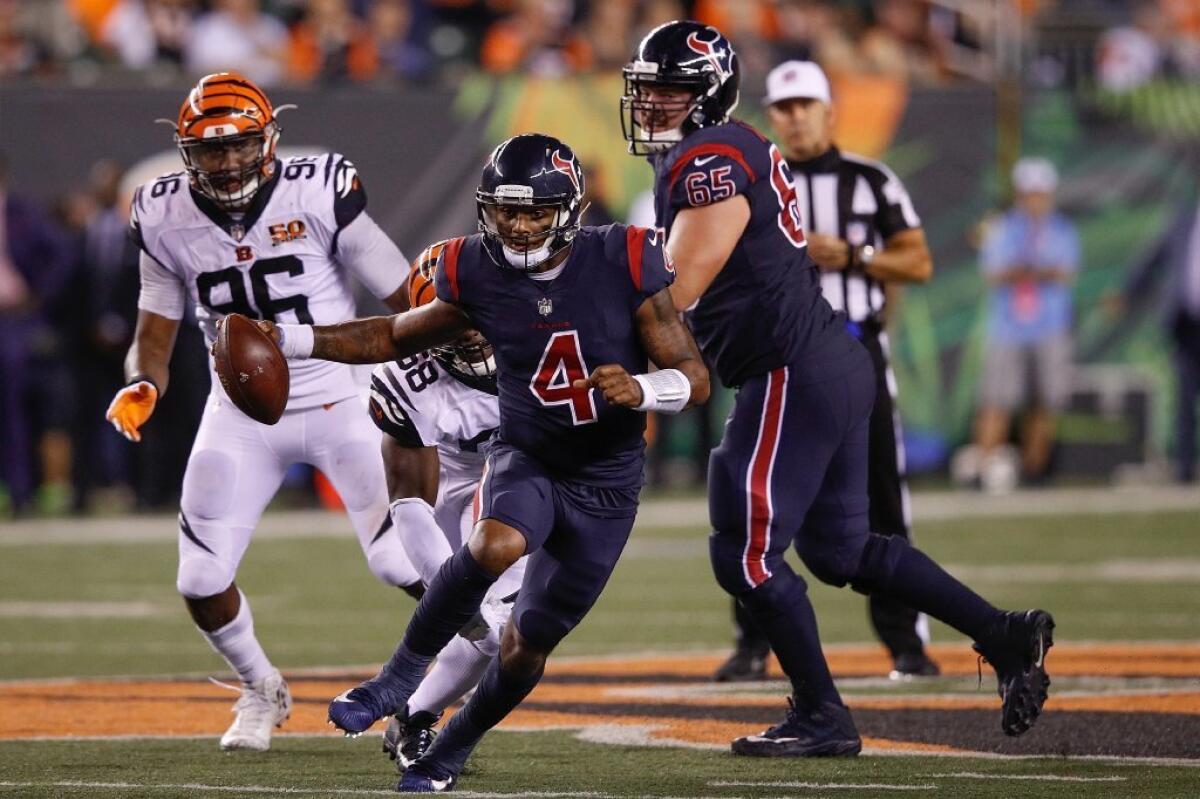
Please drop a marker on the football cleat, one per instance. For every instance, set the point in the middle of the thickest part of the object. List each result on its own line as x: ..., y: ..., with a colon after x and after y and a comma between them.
x: 824, y: 731
x: 408, y: 737
x: 744, y: 665
x: 909, y: 667
x: 1017, y: 651
x: 262, y: 705
x: 418, y: 779
x: 354, y: 711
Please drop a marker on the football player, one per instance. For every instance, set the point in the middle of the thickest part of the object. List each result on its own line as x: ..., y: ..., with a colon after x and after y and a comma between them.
x: 438, y: 410
x: 241, y: 230
x: 575, y: 315
x: 791, y: 468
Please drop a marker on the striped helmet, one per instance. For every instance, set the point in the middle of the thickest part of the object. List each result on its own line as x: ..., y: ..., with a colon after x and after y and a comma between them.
x: 470, y: 355
x: 226, y: 132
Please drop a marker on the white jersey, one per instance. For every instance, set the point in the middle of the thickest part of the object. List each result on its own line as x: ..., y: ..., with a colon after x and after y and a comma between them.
x: 278, y: 260
x: 420, y: 403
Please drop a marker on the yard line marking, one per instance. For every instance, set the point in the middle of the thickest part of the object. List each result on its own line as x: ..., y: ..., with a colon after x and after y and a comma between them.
x: 822, y: 786
x: 263, y: 789
x: 974, y: 775
x: 88, y: 610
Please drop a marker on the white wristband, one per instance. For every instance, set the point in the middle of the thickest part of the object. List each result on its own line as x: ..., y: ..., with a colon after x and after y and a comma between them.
x: 296, y: 341
x: 665, y: 391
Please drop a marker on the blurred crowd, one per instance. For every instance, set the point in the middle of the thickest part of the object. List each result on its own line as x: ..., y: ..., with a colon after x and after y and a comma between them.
x: 68, y: 276
x: 331, y: 41
x: 1160, y: 39
x: 68, y: 304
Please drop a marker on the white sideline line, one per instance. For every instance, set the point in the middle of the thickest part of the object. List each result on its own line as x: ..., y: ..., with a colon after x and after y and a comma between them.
x: 973, y: 775
x: 264, y: 789
x: 685, y: 512
x: 823, y: 786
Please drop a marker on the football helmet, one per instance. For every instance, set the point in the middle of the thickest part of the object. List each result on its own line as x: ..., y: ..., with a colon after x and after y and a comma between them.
x: 470, y: 355
x: 530, y: 171
x: 226, y: 133
x: 678, y: 55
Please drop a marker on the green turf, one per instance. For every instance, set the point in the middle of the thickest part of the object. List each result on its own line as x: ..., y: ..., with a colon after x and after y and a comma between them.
x: 512, y: 763
x: 1124, y: 577
x: 316, y: 605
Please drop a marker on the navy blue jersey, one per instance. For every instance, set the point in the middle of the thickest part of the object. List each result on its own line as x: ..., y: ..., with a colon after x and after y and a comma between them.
x: 764, y: 309
x: 549, y: 333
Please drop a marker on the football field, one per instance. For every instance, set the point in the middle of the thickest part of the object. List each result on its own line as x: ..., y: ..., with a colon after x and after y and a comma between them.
x: 104, y: 688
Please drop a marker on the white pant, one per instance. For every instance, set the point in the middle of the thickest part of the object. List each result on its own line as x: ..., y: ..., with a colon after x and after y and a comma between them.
x: 455, y: 515
x: 237, y: 465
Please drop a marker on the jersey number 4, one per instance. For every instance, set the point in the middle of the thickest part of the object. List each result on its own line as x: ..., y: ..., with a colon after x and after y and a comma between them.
x: 239, y: 300
x: 561, y: 365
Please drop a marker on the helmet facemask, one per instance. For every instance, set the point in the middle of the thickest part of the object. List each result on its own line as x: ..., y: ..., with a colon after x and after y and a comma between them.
x: 230, y: 179
x: 470, y: 355
x: 637, y: 110
x: 525, y: 251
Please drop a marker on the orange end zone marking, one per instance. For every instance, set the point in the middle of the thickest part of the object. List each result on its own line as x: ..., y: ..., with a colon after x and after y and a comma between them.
x: 31, y: 709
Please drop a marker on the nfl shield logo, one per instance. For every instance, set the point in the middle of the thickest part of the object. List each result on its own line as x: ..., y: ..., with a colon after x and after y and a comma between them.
x: 237, y: 232
x: 545, y: 307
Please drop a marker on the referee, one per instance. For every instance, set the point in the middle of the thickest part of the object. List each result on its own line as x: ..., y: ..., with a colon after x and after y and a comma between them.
x: 866, y: 239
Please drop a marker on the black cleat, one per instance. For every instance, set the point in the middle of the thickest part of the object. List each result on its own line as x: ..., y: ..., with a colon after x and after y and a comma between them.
x: 910, y: 666
x: 407, y: 737
x: 1017, y: 651
x: 825, y: 731
x: 744, y: 665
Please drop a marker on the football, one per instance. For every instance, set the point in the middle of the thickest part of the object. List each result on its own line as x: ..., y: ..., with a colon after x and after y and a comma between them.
x: 251, y: 368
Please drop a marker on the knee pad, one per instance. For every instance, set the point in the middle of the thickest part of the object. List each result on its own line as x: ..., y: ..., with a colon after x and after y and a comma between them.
x: 541, y: 630
x: 203, y: 575
x: 878, y: 563
x: 833, y: 562
x: 359, y: 476
x: 769, y: 598
x: 208, y: 485
x: 727, y: 553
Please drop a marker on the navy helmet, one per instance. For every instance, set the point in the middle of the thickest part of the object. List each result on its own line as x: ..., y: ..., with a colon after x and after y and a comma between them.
x: 536, y: 171
x: 679, y: 55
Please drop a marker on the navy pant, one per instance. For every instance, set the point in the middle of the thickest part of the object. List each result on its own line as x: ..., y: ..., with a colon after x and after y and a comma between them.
x: 574, y: 535
x: 792, y: 469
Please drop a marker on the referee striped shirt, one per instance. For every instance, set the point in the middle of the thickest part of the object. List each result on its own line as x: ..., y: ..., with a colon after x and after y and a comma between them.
x: 862, y: 202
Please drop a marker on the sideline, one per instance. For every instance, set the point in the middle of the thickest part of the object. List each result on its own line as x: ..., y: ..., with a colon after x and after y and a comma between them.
x: 684, y: 512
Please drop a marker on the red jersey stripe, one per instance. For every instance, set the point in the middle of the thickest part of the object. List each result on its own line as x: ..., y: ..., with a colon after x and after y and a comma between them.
x: 635, y: 240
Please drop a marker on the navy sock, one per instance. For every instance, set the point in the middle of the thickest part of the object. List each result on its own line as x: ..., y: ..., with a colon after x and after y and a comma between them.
x: 922, y: 584
x: 784, y: 613
x: 498, y: 693
x: 452, y: 600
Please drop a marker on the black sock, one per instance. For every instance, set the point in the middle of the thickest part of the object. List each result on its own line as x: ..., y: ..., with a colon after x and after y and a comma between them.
x: 452, y: 600
x: 784, y: 613
x: 498, y: 693
x: 922, y: 584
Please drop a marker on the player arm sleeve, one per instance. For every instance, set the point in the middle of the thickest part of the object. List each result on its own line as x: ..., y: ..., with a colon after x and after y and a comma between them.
x: 371, y: 256
x: 708, y: 174
x: 644, y: 251
x: 161, y: 292
x: 393, y: 412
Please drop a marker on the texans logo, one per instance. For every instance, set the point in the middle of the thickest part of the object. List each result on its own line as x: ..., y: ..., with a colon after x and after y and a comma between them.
x: 567, y: 167
x: 711, y: 54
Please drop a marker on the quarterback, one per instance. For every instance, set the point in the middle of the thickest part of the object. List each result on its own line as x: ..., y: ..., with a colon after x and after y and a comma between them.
x: 240, y: 230
x: 575, y: 315
x: 438, y: 410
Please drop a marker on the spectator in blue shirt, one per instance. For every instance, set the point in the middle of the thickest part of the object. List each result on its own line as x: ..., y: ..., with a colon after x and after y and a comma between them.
x: 1030, y: 258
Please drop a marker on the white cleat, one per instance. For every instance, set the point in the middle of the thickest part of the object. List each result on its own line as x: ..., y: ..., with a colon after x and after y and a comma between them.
x: 262, y: 705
